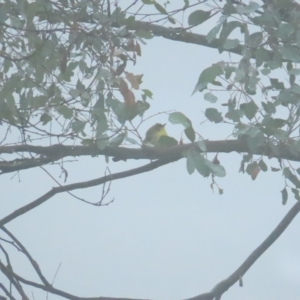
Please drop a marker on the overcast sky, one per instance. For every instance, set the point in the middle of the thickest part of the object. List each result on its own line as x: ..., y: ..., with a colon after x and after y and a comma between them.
x: 167, y: 235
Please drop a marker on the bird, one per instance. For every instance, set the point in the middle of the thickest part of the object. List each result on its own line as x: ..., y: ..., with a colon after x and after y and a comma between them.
x: 154, y: 133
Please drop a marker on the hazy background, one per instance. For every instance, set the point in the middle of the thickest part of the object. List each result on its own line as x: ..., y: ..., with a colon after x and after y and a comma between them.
x: 167, y: 235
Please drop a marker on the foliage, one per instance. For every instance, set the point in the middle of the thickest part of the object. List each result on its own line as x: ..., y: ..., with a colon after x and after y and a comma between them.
x: 66, y: 81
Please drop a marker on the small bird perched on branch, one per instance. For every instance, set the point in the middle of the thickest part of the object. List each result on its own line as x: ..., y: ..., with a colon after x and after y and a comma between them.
x: 158, y: 137
x: 154, y: 133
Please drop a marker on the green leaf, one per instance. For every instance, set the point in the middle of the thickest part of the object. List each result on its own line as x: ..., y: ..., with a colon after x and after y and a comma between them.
x: 167, y: 141
x: 210, y: 97
x: 247, y: 9
x: 190, y: 166
x: 254, y: 40
x: 197, y: 17
x: 284, y: 196
x: 131, y: 141
x: 250, y: 109
x: 74, y: 93
x: 256, y: 141
x: 269, y: 107
x: 179, y: 118
x: 87, y: 142
x: 213, y: 33
x: 186, y: 4
x: 291, y: 177
x: 285, y: 30
x: 199, y: 162
x: 261, y: 56
x: 171, y: 20
x: 296, y: 193
x: 228, y: 71
x: 117, y: 140
x: 213, y: 115
x: 202, y: 145
x: 146, y: 94
x: 45, y: 118
x: 190, y: 133
x: 228, y: 9
x: 294, y: 72
x: 226, y: 31
x: 263, y: 166
x: 289, y: 52
x: 102, y: 141
x: 65, y: 111
x: 78, y: 125
x: 102, y: 125
x: 208, y: 76
x: 277, y: 84
x: 216, y: 169
x: 145, y: 34
x: 160, y: 8
x: 231, y: 44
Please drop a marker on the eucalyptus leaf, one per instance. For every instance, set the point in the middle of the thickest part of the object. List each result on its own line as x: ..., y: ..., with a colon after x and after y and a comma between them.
x: 179, y: 118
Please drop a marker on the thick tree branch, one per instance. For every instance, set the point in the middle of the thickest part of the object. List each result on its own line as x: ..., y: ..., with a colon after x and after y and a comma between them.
x: 224, y: 285
x: 178, y: 35
x: 54, y: 153
x: 70, y: 187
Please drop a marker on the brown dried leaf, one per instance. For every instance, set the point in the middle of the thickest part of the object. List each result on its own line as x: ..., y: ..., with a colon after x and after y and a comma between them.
x: 127, y: 94
x: 255, y: 172
x: 135, y: 80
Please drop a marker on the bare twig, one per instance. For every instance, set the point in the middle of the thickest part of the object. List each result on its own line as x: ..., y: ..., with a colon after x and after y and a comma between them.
x: 85, y: 184
x: 27, y: 254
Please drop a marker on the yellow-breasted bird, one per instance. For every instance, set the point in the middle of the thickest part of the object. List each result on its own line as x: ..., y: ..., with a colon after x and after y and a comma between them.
x: 154, y: 133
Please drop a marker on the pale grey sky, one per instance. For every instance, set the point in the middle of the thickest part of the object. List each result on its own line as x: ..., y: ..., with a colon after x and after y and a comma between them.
x: 167, y: 235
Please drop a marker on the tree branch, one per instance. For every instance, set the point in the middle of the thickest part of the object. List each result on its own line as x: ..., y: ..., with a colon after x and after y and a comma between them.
x: 56, y: 190
x: 224, y: 285
x: 27, y: 254
x: 178, y: 35
x: 53, y: 153
x: 51, y: 289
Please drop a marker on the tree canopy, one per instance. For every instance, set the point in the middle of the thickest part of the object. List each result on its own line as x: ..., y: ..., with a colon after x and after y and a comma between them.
x: 69, y: 90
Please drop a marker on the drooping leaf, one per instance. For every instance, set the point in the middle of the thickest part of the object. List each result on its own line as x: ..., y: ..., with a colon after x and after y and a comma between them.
x: 213, y: 115
x: 160, y: 8
x: 102, y: 141
x: 216, y: 169
x: 197, y: 17
x: 117, y: 140
x: 284, y: 195
x: 208, y: 76
x: 190, y: 166
x: 202, y: 145
x: 291, y: 177
x: 190, y: 133
x: 253, y: 169
x: 199, y: 162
